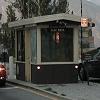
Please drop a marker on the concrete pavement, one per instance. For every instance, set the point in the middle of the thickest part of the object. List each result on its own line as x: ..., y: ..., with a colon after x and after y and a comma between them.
x: 73, y: 91
x: 37, y: 88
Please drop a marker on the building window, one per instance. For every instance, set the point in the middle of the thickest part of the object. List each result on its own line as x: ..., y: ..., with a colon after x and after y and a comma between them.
x: 57, y: 45
x: 20, y: 45
x: 33, y: 45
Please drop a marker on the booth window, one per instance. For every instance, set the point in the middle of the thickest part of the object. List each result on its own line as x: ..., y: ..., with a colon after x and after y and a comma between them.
x: 57, y: 45
x: 20, y: 45
x: 33, y: 45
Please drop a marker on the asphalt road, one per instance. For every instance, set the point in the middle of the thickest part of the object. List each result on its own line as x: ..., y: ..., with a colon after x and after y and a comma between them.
x: 17, y: 93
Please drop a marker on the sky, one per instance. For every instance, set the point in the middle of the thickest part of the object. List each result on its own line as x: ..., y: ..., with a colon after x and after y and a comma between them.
x: 95, y: 1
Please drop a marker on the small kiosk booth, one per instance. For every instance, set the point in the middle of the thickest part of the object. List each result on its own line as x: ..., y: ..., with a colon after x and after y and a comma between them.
x: 47, y: 48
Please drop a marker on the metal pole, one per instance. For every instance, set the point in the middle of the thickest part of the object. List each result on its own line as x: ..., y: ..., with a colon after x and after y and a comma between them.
x: 86, y: 69
x: 81, y: 36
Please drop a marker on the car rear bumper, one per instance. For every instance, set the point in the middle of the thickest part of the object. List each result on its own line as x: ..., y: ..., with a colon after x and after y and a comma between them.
x: 2, y: 79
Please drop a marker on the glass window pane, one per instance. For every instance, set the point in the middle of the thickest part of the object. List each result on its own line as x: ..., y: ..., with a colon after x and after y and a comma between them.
x: 33, y: 45
x: 56, y: 45
x: 20, y: 45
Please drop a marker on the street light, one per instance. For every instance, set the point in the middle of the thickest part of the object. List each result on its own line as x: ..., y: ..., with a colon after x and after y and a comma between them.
x: 81, y: 34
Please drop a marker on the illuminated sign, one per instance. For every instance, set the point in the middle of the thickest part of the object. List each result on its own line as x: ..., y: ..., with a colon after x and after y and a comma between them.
x: 57, y: 37
x: 84, y: 22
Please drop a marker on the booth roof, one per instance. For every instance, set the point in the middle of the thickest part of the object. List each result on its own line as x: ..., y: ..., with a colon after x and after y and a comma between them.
x: 46, y: 18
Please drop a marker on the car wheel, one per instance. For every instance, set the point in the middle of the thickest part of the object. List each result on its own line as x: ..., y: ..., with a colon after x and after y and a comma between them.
x: 83, y: 74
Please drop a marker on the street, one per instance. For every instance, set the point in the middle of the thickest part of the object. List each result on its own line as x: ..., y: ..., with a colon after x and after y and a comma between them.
x: 10, y: 92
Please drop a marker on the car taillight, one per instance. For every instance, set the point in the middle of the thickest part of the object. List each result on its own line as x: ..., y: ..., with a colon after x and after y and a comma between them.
x: 2, y: 69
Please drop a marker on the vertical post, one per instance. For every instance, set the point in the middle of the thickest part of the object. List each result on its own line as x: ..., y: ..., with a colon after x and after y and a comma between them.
x: 86, y: 69
x: 11, y: 68
x: 27, y: 56
x: 81, y: 36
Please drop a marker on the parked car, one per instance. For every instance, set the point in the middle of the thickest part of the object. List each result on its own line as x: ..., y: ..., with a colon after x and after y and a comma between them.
x: 89, y: 69
x: 3, y: 75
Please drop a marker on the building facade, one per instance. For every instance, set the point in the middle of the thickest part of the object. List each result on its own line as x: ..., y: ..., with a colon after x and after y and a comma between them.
x: 47, y: 48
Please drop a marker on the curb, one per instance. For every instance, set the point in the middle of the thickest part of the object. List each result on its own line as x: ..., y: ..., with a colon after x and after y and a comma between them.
x: 36, y: 89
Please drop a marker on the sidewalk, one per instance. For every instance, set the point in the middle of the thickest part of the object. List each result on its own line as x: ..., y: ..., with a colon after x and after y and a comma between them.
x: 73, y: 91
x: 38, y: 88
